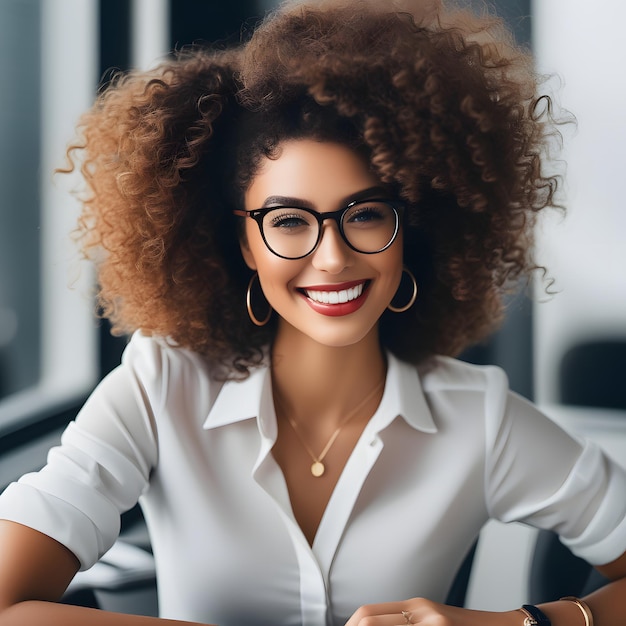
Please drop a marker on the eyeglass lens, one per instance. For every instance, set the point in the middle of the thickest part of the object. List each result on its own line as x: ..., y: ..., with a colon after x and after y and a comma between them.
x: 366, y: 226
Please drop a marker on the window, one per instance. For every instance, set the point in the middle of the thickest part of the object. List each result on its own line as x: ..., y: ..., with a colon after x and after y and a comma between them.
x: 48, y: 63
x: 19, y: 207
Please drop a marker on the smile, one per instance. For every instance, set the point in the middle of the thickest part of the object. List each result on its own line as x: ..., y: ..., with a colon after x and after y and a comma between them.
x: 335, y: 297
x: 336, y: 300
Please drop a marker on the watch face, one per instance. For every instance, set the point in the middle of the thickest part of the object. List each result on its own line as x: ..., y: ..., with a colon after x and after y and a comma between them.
x: 529, y: 621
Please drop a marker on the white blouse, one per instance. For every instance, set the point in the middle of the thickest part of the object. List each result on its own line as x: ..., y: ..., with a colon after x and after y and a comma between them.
x: 448, y: 448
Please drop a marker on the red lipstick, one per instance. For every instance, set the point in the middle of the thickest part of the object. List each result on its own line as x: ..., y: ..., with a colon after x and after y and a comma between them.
x: 338, y: 299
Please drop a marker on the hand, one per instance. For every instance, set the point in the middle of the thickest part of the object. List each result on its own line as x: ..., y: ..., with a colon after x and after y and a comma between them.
x: 427, y: 613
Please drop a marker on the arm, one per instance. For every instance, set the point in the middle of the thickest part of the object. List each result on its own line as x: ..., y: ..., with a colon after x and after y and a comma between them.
x: 608, y: 604
x: 608, y: 607
x: 35, y: 570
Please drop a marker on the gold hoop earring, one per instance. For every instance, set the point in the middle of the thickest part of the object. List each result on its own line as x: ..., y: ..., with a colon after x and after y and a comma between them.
x: 255, y: 320
x: 411, y: 301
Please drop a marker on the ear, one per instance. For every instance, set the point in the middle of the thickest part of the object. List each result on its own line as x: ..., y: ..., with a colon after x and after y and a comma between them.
x: 248, y: 257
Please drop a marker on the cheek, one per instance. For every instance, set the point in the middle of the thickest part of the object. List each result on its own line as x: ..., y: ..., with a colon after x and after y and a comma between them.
x: 277, y: 281
x: 274, y: 273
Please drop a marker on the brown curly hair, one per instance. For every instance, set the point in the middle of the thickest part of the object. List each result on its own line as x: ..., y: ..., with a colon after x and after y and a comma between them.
x: 441, y: 102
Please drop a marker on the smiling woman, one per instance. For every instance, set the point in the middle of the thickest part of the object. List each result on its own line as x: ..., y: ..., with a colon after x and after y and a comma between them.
x: 368, y: 179
x: 326, y: 176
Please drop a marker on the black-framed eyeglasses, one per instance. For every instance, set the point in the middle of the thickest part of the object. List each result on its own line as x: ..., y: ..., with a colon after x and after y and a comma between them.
x: 367, y: 226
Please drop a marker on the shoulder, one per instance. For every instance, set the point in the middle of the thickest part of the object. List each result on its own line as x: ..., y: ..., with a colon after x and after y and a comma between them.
x: 171, y: 377
x: 442, y: 373
x: 156, y: 356
x: 463, y: 391
x: 159, y: 361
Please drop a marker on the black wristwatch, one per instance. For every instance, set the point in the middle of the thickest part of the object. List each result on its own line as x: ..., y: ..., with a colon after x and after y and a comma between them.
x: 534, y: 616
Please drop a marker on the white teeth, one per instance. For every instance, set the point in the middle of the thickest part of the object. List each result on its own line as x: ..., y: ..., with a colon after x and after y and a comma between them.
x: 335, y: 297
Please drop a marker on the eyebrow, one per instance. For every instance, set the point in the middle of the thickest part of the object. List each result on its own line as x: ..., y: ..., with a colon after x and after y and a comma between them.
x: 286, y: 201
x: 364, y: 194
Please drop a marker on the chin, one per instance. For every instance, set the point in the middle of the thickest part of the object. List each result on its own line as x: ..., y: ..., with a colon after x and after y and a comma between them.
x: 339, y: 338
x: 330, y: 331
x: 338, y: 342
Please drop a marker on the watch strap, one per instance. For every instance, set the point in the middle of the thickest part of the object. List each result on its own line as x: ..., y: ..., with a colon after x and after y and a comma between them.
x: 534, y: 616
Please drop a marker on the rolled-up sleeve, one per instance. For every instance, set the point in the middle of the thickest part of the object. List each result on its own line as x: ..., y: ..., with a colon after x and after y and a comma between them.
x: 604, y: 538
x: 100, y: 470
x: 540, y: 475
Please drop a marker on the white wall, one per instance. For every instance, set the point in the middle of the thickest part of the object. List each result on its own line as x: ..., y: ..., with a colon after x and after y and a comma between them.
x: 583, y: 42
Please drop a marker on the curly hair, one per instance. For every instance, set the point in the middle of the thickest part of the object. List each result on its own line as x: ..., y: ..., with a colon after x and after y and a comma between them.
x: 441, y: 102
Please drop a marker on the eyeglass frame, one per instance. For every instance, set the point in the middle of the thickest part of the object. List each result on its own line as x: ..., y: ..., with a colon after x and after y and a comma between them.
x: 257, y: 215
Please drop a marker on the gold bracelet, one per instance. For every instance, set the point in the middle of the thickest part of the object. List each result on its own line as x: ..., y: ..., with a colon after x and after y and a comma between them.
x: 586, y: 611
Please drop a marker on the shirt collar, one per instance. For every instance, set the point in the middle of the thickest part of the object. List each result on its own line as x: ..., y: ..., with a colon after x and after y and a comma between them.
x: 403, y: 397
x: 245, y: 399
x: 251, y: 398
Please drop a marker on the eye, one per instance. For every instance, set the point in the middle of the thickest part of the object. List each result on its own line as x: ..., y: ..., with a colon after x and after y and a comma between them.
x: 288, y: 219
x: 368, y: 213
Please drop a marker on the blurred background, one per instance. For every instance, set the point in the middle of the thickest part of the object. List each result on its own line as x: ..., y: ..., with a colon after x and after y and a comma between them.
x: 564, y: 349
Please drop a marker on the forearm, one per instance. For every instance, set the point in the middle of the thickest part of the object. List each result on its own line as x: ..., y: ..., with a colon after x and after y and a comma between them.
x: 53, y: 614
x: 607, y: 605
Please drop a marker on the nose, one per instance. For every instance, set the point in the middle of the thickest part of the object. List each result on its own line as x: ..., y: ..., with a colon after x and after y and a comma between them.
x: 332, y: 254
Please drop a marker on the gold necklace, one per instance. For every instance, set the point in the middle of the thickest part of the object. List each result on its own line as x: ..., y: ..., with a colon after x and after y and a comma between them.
x: 318, y: 468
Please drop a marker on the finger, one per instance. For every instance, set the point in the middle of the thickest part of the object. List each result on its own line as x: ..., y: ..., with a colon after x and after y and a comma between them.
x: 387, y: 614
x: 389, y: 619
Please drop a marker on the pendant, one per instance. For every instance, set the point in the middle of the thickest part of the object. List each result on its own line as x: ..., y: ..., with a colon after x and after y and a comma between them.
x: 317, y: 469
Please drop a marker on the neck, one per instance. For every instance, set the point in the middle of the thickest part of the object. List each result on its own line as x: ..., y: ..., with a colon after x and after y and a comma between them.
x: 321, y: 384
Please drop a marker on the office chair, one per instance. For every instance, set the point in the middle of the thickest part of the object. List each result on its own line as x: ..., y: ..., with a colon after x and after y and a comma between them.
x: 555, y: 572
x: 592, y: 374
